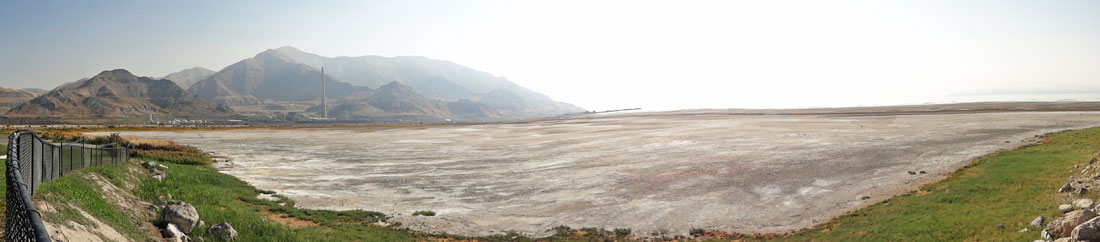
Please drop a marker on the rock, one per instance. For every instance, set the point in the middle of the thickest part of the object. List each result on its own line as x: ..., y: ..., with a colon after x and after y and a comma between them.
x: 1000, y: 226
x: 1093, y: 160
x: 1046, y: 235
x: 149, y: 164
x: 1065, y: 208
x: 1063, y: 226
x: 923, y: 172
x: 224, y: 231
x: 174, y: 234
x: 912, y: 173
x: 159, y: 177
x: 1082, y: 191
x: 1023, y: 230
x: 1063, y: 240
x: 1087, y: 231
x: 1037, y: 222
x: 1082, y: 203
x: 183, y: 215
x: 1066, y: 188
x: 162, y: 167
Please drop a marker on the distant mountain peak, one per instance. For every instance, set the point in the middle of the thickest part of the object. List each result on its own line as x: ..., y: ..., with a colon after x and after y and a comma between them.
x: 188, y: 77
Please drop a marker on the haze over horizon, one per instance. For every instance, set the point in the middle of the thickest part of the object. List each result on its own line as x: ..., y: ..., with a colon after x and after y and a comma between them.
x: 657, y: 55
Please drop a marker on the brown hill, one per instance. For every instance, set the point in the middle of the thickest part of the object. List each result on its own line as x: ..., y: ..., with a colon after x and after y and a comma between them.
x: 399, y: 98
x: 10, y: 98
x: 119, y: 94
x: 389, y: 100
x: 467, y: 109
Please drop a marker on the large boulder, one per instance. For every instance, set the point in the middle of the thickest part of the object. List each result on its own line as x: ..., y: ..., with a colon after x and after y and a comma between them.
x: 183, y: 215
x: 1063, y: 226
x: 224, y: 231
x: 1087, y: 231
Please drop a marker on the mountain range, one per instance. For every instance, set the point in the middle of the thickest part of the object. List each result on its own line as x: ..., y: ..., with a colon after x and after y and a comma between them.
x: 118, y: 94
x: 283, y: 81
x: 435, y: 79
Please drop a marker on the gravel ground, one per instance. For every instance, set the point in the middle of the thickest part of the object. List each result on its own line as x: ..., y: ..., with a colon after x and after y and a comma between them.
x: 645, y: 171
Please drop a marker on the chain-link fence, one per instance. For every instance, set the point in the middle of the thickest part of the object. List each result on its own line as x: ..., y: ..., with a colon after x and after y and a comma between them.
x: 33, y: 161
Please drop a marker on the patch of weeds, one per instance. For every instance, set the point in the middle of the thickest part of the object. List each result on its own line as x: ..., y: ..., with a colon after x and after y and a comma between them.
x: 622, y: 232
x: 697, y: 232
x: 423, y: 213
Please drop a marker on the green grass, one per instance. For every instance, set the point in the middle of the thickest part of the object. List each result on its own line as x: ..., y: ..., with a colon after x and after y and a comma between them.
x: 223, y: 198
x: 1009, y: 188
x: 75, y: 190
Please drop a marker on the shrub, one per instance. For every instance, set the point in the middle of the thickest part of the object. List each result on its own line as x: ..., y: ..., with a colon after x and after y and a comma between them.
x: 423, y: 213
x: 622, y: 231
x: 696, y: 232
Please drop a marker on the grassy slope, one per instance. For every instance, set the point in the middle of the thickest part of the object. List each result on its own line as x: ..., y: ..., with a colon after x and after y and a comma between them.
x: 1009, y: 188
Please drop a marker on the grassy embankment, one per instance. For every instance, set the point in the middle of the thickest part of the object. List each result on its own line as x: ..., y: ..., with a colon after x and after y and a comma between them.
x: 1008, y: 188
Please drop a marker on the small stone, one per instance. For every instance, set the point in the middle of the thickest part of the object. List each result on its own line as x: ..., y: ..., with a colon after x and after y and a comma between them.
x: 923, y: 172
x: 162, y: 167
x: 174, y: 234
x: 912, y: 173
x: 1045, y: 235
x: 1023, y: 230
x: 159, y: 178
x: 1038, y: 222
x: 149, y: 164
x: 1093, y: 160
x: 865, y: 197
x: 1082, y: 191
x: 1065, y: 208
x: 1000, y: 226
x: 1066, y: 188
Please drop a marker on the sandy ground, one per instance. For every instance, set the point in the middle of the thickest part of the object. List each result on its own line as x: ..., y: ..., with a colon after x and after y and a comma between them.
x: 645, y: 171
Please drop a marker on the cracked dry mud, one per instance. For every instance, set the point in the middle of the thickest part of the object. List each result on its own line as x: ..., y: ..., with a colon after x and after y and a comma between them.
x: 645, y: 171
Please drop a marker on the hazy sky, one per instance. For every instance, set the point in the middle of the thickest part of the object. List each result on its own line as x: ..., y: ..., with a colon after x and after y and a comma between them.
x: 603, y: 54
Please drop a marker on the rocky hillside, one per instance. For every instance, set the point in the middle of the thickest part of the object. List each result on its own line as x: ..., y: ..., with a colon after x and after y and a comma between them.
x: 435, y: 79
x: 188, y: 77
x: 10, y: 98
x: 118, y: 94
x: 269, y: 76
x: 467, y: 109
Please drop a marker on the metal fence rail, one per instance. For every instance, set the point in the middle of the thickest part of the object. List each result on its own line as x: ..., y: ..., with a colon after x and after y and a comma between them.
x: 33, y: 161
